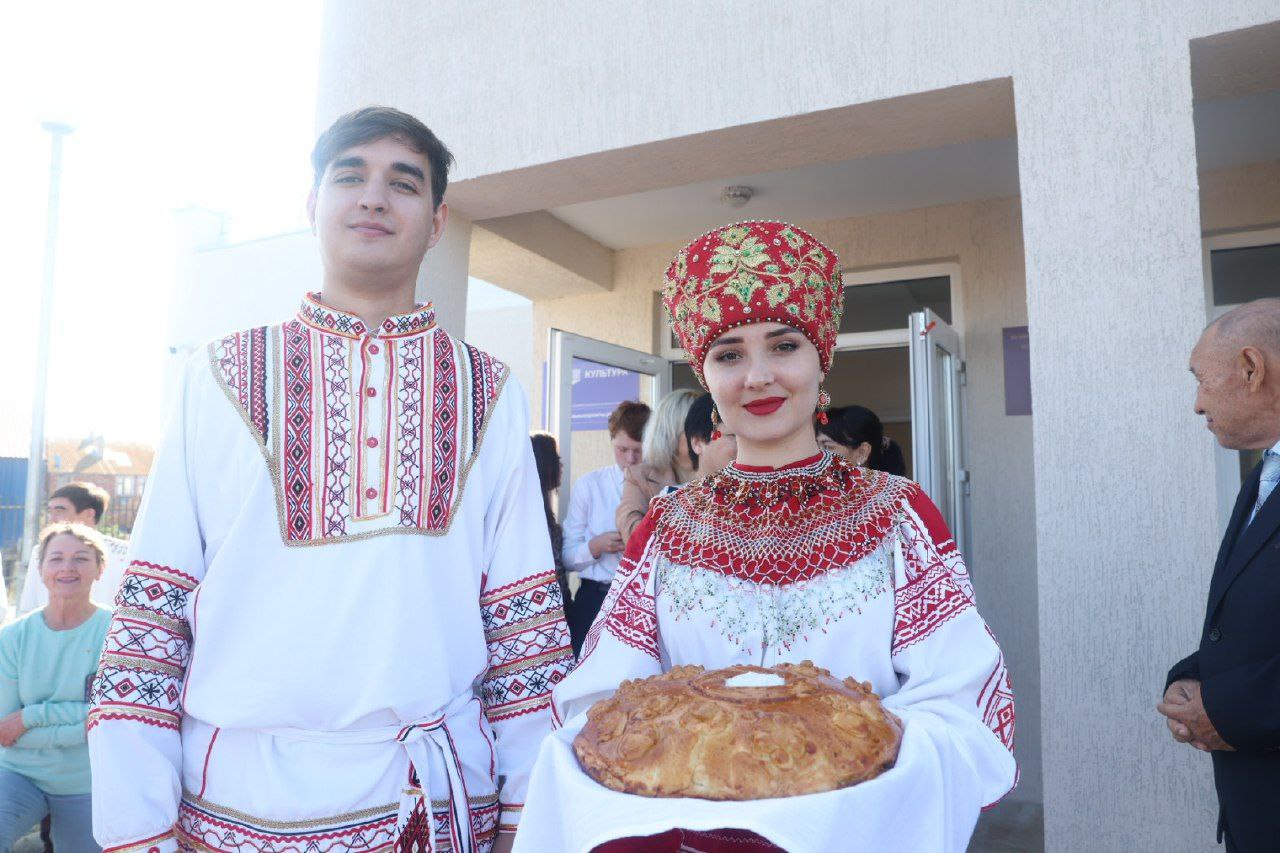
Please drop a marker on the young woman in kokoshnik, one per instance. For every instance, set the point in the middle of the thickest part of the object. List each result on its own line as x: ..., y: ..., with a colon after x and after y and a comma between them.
x: 788, y: 554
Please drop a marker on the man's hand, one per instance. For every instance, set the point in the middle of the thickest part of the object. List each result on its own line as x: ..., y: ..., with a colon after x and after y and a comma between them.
x: 606, y: 543
x: 11, y: 728
x: 504, y: 842
x: 1188, y: 723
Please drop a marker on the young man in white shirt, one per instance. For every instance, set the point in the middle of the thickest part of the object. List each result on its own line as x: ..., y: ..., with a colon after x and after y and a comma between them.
x: 78, y: 503
x: 341, y: 622
x: 592, y: 545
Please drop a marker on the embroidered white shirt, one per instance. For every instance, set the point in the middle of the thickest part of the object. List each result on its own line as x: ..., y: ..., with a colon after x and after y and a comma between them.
x: 865, y: 581
x: 342, y: 538
x: 593, y: 509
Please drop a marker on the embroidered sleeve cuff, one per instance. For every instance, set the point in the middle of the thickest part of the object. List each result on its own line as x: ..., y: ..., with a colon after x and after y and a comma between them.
x: 162, y: 843
x: 510, y: 818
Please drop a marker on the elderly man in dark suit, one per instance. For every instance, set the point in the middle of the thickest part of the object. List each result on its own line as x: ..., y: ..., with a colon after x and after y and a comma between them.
x: 1225, y: 697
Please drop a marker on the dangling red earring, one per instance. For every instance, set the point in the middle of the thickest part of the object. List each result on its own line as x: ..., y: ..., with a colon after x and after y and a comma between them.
x: 716, y: 434
x: 824, y: 403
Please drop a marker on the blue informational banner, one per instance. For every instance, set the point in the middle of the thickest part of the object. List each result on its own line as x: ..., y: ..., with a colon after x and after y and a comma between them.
x: 597, y: 391
x: 1017, y: 371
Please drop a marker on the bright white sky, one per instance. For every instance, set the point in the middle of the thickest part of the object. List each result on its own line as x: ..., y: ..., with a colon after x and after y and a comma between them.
x: 174, y: 104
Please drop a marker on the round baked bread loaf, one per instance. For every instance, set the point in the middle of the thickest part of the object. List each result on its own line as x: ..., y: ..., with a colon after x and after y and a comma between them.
x: 713, y: 734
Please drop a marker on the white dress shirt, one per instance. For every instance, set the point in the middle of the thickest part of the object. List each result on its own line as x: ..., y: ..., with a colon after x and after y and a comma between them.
x: 593, y: 509
x: 1270, y: 476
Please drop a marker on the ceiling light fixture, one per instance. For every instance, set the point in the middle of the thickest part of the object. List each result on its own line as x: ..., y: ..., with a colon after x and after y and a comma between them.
x: 736, y: 196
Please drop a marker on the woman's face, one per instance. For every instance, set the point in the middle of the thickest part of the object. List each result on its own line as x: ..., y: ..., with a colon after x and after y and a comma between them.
x: 69, y: 567
x: 858, y: 454
x: 764, y: 378
x: 826, y: 442
x: 714, y: 455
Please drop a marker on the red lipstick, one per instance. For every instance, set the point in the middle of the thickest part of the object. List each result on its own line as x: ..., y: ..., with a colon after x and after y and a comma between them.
x: 764, y: 406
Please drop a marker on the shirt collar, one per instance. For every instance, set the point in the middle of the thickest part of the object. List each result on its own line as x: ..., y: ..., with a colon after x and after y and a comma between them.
x: 325, y: 318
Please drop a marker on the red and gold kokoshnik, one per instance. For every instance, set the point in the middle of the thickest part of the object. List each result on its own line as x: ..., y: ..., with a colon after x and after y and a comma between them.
x: 753, y: 272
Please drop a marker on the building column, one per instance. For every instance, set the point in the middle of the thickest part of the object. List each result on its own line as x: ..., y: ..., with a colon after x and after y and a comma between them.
x: 1126, y: 514
x: 442, y: 280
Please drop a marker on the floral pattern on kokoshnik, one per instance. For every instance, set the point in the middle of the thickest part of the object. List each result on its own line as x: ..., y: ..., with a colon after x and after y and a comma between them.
x: 754, y: 272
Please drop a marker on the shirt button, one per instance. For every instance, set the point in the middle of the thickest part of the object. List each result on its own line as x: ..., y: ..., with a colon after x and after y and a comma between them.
x: 371, y: 392
x: 371, y: 442
x: 373, y: 348
x: 370, y: 493
x: 1214, y: 635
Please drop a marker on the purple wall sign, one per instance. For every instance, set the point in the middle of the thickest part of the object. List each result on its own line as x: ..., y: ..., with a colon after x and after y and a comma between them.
x: 597, y: 391
x: 1017, y: 371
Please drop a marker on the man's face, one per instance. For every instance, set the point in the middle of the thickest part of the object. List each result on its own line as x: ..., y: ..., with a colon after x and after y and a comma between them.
x: 1233, y: 404
x: 626, y: 450
x: 63, y: 510
x: 373, y: 211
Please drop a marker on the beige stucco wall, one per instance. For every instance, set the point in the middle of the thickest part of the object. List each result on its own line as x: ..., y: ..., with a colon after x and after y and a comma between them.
x: 507, y: 334
x: 985, y: 239
x: 1111, y: 245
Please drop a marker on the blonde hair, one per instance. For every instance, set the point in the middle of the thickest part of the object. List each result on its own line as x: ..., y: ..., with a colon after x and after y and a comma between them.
x: 83, y: 532
x: 665, y: 429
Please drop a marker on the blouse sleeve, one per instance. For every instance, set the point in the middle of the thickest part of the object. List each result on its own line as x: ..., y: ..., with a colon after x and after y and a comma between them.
x: 954, y: 684
x: 634, y: 504
x: 136, y: 700
x: 521, y: 608
x: 623, y: 640
x: 44, y: 714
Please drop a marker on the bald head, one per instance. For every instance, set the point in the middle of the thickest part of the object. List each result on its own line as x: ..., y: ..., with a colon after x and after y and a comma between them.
x: 1254, y: 324
x: 1237, y: 368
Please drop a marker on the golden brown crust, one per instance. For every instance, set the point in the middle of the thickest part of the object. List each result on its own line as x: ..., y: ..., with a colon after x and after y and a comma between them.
x: 685, y: 733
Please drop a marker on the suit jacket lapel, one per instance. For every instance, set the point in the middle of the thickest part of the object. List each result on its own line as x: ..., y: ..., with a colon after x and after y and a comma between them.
x: 1238, y: 548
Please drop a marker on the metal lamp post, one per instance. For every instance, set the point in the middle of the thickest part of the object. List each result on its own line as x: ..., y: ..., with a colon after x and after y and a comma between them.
x: 35, y: 459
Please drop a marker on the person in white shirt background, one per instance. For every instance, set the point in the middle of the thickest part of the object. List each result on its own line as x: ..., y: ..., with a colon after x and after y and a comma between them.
x: 592, y: 544
x: 77, y: 503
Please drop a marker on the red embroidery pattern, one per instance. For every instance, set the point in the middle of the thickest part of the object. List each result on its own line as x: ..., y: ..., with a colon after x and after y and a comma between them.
x: 486, y: 379
x: 337, y: 435
x: 444, y: 432
x: 630, y: 614
x: 409, y: 447
x: 297, y: 474
x: 780, y: 527
x: 242, y: 360
x: 937, y: 584
x: 207, y: 827
x: 204, y: 826
x: 148, y: 644
x: 996, y: 702
x: 923, y: 605
x: 529, y: 651
x: 434, y: 431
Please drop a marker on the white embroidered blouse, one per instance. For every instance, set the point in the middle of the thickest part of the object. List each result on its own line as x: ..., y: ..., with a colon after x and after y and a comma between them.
x: 341, y: 563
x: 850, y: 568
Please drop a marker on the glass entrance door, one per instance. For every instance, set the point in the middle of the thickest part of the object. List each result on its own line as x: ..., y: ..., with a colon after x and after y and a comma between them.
x: 937, y: 377
x: 586, y: 380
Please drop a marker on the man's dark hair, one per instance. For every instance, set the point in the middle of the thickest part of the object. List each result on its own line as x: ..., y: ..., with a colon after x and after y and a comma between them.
x: 697, y: 424
x: 373, y: 123
x: 85, y: 496
x: 853, y: 425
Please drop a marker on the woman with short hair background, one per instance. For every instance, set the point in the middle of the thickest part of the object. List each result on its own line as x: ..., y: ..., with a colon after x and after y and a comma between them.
x: 47, y: 661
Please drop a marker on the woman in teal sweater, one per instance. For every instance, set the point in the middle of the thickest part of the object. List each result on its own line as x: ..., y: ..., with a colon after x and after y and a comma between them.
x: 47, y: 661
